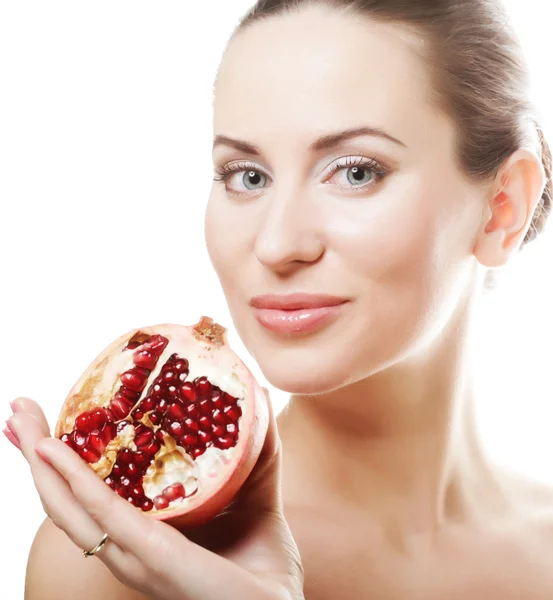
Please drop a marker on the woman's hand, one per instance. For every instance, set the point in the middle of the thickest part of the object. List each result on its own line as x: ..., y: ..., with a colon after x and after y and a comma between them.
x: 247, y: 552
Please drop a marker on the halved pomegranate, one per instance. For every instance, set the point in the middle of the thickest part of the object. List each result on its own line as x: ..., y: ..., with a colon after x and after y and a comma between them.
x: 170, y: 418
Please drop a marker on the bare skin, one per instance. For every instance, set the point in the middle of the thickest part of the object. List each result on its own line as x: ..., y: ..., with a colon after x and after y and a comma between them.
x: 386, y: 487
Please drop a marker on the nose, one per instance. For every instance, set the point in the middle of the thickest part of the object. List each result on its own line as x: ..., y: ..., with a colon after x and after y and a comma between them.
x: 290, y: 232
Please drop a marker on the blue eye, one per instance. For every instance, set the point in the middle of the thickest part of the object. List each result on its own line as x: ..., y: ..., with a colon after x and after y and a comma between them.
x: 359, y: 168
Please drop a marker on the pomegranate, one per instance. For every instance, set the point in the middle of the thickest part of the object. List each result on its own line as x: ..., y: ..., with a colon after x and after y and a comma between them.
x: 170, y: 418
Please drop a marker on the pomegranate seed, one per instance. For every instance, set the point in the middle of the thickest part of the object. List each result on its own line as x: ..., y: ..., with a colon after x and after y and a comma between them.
x: 173, y: 392
x: 176, y: 429
x: 160, y: 502
x: 98, y: 417
x: 82, y: 422
x: 174, y: 491
x: 146, y: 505
x: 160, y: 436
x: 142, y: 438
x: 89, y: 455
x: 225, y: 442
x: 157, y: 390
x: 155, y: 418
x: 125, y: 456
x: 191, y: 425
x: 132, y: 345
x: 145, y: 359
x: 80, y: 438
x: 137, y: 491
x: 108, y: 432
x: 142, y: 459
x: 121, y: 491
x: 169, y: 376
x: 133, y: 471
x: 132, y: 501
x: 116, y: 471
x: 205, y: 437
x: 205, y: 423
x: 120, y: 408
x: 129, y: 394
x: 232, y: 412
x: 135, y: 379
x: 206, y: 407
x: 95, y: 441
x: 110, y: 481
x: 156, y: 344
x: 176, y: 410
x: 67, y: 440
x: 232, y: 429
x: 203, y: 386
x: 219, y: 417
x: 190, y: 439
x: 197, y: 452
x: 125, y: 481
x: 193, y: 410
x: 181, y: 365
x: 188, y: 392
x: 147, y: 404
x: 218, y: 430
x: 152, y: 448
x: 162, y: 405
x: 228, y: 399
x: 217, y: 400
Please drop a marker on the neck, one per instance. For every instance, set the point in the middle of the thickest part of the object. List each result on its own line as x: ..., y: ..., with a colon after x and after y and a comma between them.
x: 400, y: 445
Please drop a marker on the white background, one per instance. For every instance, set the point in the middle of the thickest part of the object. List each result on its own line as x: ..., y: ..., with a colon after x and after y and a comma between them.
x: 105, y: 169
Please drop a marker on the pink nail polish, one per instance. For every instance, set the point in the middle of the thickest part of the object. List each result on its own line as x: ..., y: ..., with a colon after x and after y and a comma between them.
x: 11, y: 430
x: 11, y: 437
x: 14, y: 408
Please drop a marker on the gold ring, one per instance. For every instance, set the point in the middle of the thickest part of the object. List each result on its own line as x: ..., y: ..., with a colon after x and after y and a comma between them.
x: 87, y: 553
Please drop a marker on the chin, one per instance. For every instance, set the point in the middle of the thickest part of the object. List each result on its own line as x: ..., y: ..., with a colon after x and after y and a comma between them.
x: 309, y: 373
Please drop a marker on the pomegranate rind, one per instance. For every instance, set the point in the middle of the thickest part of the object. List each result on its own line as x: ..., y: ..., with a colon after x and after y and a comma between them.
x: 88, y: 393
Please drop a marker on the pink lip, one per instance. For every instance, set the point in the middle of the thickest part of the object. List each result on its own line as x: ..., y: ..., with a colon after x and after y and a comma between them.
x: 295, y: 301
x: 296, y: 321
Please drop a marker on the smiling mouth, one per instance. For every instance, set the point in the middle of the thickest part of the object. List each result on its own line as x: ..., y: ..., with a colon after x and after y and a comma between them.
x: 297, y: 320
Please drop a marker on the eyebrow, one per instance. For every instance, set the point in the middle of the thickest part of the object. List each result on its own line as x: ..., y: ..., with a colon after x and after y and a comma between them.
x: 325, y: 142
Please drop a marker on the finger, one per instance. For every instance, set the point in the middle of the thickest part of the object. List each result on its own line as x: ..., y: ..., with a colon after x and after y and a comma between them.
x: 272, y: 445
x: 57, y: 498
x: 127, y: 526
x: 261, y: 491
x: 11, y: 437
x: 31, y: 407
x: 165, y: 552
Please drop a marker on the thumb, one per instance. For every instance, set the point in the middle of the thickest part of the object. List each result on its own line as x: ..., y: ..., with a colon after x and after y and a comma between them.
x: 261, y: 491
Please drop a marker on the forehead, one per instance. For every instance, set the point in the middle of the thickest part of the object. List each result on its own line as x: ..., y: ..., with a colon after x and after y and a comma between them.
x: 316, y: 70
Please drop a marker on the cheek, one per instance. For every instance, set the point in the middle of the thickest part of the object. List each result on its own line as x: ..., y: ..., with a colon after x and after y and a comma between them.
x: 221, y: 239
x: 402, y: 259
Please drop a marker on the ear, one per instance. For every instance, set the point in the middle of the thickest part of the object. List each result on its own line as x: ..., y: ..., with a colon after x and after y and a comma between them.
x: 510, y: 207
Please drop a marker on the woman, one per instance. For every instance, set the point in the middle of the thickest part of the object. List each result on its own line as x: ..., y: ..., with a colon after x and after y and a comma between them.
x: 381, y: 481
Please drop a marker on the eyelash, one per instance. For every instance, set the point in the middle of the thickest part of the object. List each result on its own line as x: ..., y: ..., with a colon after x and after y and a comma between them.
x: 224, y: 173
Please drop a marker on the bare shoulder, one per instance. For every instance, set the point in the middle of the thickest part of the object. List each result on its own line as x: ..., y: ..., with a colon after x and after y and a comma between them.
x: 534, y: 500
x: 56, y: 570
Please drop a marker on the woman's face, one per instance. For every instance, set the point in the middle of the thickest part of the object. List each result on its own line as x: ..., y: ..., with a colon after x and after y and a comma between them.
x: 397, y: 246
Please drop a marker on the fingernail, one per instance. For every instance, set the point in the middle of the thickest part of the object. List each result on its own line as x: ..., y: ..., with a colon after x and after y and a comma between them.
x: 12, y: 430
x: 11, y: 437
x: 14, y: 406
